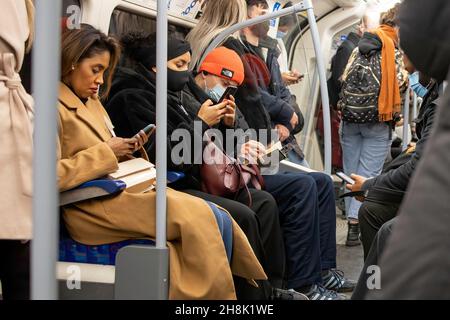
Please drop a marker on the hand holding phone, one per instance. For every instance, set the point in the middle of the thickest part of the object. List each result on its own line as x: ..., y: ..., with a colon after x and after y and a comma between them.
x: 230, y: 91
x: 345, y: 177
x: 142, y: 136
x: 148, y: 130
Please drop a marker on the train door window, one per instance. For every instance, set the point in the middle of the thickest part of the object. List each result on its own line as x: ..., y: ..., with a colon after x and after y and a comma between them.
x: 301, y: 58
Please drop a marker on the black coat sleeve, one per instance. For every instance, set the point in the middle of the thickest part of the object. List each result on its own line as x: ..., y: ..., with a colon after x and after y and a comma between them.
x: 131, y: 111
x: 416, y: 261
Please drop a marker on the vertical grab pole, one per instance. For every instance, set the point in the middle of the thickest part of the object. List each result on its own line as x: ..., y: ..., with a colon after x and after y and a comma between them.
x: 142, y: 272
x: 161, y: 124
x: 405, y: 141
x: 323, y: 86
x: 46, y: 57
x: 162, y: 252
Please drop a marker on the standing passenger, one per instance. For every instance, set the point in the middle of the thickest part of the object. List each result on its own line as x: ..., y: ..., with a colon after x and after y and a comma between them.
x: 16, y: 113
x: 369, y: 110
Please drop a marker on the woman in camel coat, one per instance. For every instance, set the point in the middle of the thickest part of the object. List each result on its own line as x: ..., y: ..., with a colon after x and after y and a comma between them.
x: 16, y: 111
x: 199, y: 268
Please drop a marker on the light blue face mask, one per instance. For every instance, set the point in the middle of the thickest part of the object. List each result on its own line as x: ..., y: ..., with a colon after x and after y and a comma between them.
x: 419, y: 89
x: 215, y: 93
x: 281, y: 34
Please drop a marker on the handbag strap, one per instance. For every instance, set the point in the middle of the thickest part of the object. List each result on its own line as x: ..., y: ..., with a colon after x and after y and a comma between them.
x: 250, y: 200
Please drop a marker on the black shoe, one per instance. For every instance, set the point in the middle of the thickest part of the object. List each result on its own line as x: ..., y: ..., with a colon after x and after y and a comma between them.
x: 280, y: 294
x: 319, y: 292
x: 336, y: 281
x: 353, y: 235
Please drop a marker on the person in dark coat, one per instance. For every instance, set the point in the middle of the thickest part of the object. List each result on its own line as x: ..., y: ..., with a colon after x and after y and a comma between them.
x: 284, y: 112
x: 416, y: 263
x: 132, y: 105
x: 384, y: 193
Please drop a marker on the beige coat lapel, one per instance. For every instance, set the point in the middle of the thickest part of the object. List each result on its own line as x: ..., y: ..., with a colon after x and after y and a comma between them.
x: 91, y: 114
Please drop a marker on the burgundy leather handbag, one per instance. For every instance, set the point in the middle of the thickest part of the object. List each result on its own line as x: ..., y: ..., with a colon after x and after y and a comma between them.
x: 224, y: 176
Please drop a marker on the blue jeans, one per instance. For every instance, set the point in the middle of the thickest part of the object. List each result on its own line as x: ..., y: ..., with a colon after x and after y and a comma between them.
x: 225, y: 228
x: 365, y: 148
x: 308, y: 220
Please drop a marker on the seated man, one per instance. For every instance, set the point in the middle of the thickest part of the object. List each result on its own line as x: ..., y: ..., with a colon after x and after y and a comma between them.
x: 383, y: 194
x: 305, y: 201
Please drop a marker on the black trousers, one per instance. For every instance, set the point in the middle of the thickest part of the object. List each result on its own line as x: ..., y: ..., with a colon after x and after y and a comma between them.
x: 308, y: 220
x: 372, y: 215
x: 261, y: 225
x: 15, y: 270
x: 373, y: 256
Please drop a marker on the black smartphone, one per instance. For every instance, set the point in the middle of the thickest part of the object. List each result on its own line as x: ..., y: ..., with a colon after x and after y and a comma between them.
x: 230, y: 91
x: 345, y: 177
x: 149, y: 129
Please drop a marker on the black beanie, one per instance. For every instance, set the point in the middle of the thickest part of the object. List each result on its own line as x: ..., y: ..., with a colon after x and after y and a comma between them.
x: 142, y: 48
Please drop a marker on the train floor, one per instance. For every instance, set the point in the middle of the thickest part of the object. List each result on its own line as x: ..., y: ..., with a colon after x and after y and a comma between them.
x: 349, y: 259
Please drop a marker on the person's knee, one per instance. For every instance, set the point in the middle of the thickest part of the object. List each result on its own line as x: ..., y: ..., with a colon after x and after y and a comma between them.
x: 266, y: 199
x: 363, y: 212
x: 245, y: 216
x: 305, y: 184
x: 386, y: 228
x: 322, y: 179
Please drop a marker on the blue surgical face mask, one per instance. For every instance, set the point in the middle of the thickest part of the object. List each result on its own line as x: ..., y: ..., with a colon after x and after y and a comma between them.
x: 215, y: 93
x: 281, y: 34
x: 419, y: 89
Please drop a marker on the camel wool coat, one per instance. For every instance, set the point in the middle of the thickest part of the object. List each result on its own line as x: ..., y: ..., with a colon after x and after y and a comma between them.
x: 16, y: 113
x: 199, y: 268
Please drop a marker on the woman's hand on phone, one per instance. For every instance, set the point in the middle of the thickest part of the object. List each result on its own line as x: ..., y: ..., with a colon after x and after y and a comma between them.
x: 141, y: 139
x: 230, y: 116
x: 212, y: 114
x: 122, y: 147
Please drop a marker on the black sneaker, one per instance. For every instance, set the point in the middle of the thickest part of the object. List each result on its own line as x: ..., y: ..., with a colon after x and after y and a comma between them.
x: 280, y: 294
x: 353, y: 235
x: 336, y: 281
x: 319, y: 292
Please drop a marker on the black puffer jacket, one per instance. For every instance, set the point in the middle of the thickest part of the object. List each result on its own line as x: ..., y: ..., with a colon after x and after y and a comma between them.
x: 132, y: 106
x: 416, y: 261
x: 397, y: 178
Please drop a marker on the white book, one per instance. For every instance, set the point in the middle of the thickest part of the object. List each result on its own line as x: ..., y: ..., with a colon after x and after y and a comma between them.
x: 138, y: 174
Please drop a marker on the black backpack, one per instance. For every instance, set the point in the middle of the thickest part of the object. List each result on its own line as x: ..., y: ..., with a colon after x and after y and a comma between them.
x: 361, y: 88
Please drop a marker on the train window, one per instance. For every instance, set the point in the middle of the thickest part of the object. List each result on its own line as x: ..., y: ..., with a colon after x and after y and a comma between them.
x: 123, y: 22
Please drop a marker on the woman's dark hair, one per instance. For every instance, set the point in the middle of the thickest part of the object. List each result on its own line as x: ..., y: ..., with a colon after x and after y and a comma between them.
x: 84, y: 43
x: 139, y: 48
